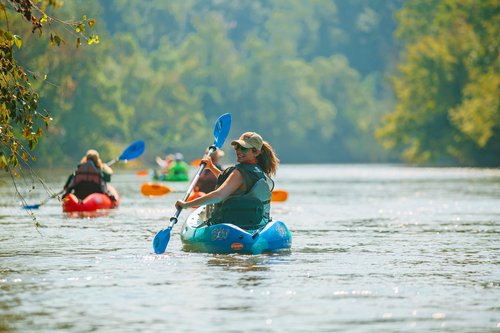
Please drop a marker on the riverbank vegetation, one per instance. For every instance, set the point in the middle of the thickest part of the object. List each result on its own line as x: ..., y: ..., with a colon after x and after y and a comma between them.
x: 324, y: 81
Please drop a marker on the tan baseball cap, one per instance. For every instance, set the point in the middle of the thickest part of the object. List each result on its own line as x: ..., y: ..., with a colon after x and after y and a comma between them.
x: 249, y: 140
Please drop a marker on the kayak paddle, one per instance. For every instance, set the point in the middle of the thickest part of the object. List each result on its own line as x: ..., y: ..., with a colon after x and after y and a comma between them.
x: 36, y: 206
x: 151, y: 189
x: 134, y: 150
x: 221, y: 130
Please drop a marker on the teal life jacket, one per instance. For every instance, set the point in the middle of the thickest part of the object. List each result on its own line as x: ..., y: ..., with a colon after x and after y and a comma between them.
x: 250, y: 209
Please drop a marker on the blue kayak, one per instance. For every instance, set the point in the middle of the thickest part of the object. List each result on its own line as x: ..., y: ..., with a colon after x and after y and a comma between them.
x: 228, y: 238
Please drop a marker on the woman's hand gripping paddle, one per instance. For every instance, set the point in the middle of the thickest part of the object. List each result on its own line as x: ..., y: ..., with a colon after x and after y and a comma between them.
x: 221, y: 130
x: 133, y: 151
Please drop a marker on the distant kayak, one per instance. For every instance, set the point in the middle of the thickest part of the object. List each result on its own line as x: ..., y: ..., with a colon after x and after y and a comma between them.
x: 93, y: 202
x: 172, y: 178
x: 228, y: 238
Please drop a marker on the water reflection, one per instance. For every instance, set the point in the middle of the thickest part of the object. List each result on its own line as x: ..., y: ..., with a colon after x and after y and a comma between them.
x: 237, y: 263
x: 84, y: 215
x: 255, y: 269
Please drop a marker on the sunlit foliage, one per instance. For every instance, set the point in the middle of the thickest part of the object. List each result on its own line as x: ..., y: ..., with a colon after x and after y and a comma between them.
x: 448, y: 89
x: 22, y: 120
x: 307, y: 75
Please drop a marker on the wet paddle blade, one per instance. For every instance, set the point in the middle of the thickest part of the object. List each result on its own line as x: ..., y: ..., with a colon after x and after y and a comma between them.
x: 31, y: 206
x: 134, y: 150
x: 142, y: 173
x: 161, y: 240
x: 279, y: 195
x: 221, y: 129
x: 151, y: 189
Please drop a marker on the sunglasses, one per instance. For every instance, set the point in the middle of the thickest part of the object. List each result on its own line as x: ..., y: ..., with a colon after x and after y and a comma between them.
x: 243, y: 149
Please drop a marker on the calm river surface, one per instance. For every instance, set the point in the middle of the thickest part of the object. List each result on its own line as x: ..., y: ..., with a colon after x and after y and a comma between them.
x: 375, y: 249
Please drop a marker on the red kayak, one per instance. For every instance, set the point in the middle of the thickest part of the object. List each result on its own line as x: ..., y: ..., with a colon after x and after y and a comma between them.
x: 93, y: 202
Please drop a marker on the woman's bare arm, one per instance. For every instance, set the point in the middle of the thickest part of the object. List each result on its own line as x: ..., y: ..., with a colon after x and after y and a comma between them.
x: 232, y: 183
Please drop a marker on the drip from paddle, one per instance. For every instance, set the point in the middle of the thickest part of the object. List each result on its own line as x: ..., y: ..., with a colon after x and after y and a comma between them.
x: 133, y: 151
x: 221, y: 130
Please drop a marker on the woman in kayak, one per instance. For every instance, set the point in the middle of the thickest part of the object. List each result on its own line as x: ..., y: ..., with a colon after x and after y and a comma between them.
x: 90, y: 177
x: 242, y: 189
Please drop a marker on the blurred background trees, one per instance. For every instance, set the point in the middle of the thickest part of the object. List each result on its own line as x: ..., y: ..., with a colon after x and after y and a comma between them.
x: 323, y: 81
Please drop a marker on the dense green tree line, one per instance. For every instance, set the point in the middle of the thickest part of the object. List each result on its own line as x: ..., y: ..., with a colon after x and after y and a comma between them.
x: 448, y: 87
x: 310, y: 76
x: 23, y: 119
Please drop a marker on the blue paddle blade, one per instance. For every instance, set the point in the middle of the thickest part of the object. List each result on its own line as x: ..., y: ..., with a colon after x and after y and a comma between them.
x: 31, y: 207
x: 134, y: 150
x: 221, y: 129
x: 161, y: 241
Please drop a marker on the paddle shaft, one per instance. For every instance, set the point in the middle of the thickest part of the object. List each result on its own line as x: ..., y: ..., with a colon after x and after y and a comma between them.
x: 113, y: 161
x: 174, y: 219
x: 36, y: 206
x: 52, y: 196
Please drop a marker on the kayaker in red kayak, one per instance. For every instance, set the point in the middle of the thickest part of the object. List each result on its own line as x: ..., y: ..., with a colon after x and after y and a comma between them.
x: 207, y: 181
x: 243, y: 191
x: 91, y: 176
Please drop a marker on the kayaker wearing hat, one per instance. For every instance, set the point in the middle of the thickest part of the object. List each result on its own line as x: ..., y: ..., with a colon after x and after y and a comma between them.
x: 243, y: 191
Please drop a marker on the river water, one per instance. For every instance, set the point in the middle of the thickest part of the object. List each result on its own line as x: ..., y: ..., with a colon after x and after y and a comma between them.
x: 375, y: 249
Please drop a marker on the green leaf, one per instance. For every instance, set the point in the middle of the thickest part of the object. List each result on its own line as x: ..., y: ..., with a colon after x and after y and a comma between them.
x: 18, y: 41
x: 57, y: 40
